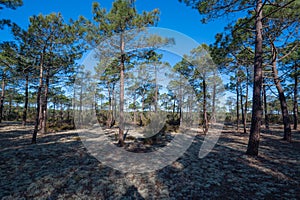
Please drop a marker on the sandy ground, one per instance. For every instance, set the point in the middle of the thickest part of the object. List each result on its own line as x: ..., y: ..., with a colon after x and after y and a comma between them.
x: 60, y: 167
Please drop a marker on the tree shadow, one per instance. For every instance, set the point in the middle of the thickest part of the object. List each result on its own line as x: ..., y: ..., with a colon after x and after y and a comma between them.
x: 59, y: 166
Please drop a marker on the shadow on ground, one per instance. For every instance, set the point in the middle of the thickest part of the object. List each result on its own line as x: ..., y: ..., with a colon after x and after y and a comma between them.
x: 59, y: 167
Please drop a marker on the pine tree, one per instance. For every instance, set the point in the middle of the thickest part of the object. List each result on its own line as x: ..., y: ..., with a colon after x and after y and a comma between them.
x: 114, y: 23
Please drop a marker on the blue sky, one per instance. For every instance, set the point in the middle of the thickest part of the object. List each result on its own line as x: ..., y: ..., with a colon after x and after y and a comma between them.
x: 174, y: 15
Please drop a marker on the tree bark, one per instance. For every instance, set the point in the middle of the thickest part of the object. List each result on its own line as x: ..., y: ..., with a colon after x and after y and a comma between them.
x: 8, y: 116
x: 122, y: 68
x: 295, y: 107
x: 25, y: 101
x: 134, y: 111
x: 156, y: 90
x: 213, y: 113
x: 45, y: 110
x: 265, y: 108
x: 247, y: 94
x: 242, y: 109
x: 205, y: 120
x: 282, y: 99
x: 143, y: 107
x: 254, y: 137
x: 2, y: 97
x: 54, y: 109
x: 237, y: 102
x: 38, y: 101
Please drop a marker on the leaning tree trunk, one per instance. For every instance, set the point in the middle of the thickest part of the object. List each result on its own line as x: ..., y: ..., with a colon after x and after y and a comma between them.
x: 254, y: 137
x: 25, y: 101
x: 2, y: 97
x: 282, y: 99
x: 295, y: 108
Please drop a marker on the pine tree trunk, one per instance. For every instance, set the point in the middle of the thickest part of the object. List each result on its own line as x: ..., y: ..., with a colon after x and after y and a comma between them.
x: 237, y: 103
x: 205, y: 120
x: 110, y: 110
x: 295, y: 108
x: 174, y: 106
x: 114, y: 107
x: 142, y: 113
x: 213, y: 113
x: 134, y: 111
x: 25, y: 101
x: 80, y: 107
x: 180, y: 101
x: 9, y: 117
x: 2, y: 97
x: 265, y: 107
x: 242, y: 109
x: 61, y: 113
x: 122, y: 68
x: 247, y: 94
x: 254, y: 136
x: 156, y: 90
x: 38, y: 102
x: 282, y: 99
x: 54, y: 109
x: 41, y: 115
x: 45, y: 110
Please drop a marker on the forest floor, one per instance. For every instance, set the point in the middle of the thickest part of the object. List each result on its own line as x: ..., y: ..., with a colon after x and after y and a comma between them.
x: 60, y: 167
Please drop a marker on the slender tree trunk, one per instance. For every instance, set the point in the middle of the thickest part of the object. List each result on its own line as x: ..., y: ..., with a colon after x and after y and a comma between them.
x: 205, y: 120
x: 254, y: 136
x: 41, y: 115
x: 295, y: 108
x: 134, y: 111
x: 2, y: 97
x: 38, y: 101
x: 156, y: 90
x: 68, y: 113
x: 25, y: 100
x: 9, y: 117
x: 61, y: 112
x: 143, y: 107
x: 73, y: 107
x: 54, y: 109
x: 174, y: 106
x: 122, y: 68
x: 265, y: 107
x: 80, y: 106
x: 114, y: 107
x: 247, y: 94
x: 45, y: 110
x: 237, y: 102
x: 180, y: 100
x: 213, y: 113
x: 242, y: 109
x: 110, y: 110
x: 282, y: 99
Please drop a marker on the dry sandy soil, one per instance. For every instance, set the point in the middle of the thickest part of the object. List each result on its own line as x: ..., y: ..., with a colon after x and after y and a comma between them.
x: 59, y: 167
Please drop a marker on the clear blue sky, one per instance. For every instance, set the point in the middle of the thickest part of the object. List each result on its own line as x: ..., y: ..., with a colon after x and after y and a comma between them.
x: 174, y: 15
